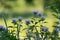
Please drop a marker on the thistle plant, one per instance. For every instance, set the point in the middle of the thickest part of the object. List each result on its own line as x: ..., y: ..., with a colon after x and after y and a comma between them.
x: 32, y: 29
x: 5, y: 34
x: 28, y: 34
x: 57, y: 23
x: 41, y: 18
x: 44, y: 33
x: 55, y: 34
x: 18, y: 25
x: 56, y: 26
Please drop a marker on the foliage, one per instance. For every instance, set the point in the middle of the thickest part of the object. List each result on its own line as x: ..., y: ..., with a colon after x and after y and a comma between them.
x: 5, y: 34
x: 32, y: 28
x: 6, y: 5
x: 53, y: 4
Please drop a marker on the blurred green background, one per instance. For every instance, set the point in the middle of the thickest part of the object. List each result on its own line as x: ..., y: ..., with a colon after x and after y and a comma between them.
x: 15, y: 8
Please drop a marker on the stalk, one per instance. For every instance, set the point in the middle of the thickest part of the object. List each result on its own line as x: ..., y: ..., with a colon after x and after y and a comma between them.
x: 18, y: 32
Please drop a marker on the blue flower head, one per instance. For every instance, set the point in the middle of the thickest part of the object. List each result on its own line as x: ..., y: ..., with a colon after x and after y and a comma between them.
x: 35, y: 11
x: 56, y: 30
x: 1, y: 26
x: 44, y: 28
x: 14, y: 20
x: 20, y: 18
x: 28, y: 21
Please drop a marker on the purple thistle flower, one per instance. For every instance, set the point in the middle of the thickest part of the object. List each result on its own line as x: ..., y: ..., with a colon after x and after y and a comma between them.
x: 28, y: 21
x: 35, y: 11
x: 44, y: 28
x: 20, y: 18
x: 14, y: 20
x: 56, y: 30
x: 1, y: 27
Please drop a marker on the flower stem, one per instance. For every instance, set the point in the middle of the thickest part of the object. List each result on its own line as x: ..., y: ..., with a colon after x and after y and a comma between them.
x: 18, y: 32
x: 5, y: 21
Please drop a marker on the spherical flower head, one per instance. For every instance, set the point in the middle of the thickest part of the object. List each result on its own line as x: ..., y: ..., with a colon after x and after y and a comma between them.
x: 20, y: 18
x: 44, y: 28
x: 35, y: 11
x: 14, y: 20
x: 28, y: 21
x: 56, y: 30
x: 1, y: 27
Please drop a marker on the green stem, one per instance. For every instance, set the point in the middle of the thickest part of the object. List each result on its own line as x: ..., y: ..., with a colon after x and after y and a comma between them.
x: 5, y: 21
x: 18, y: 32
x: 37, y: 34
